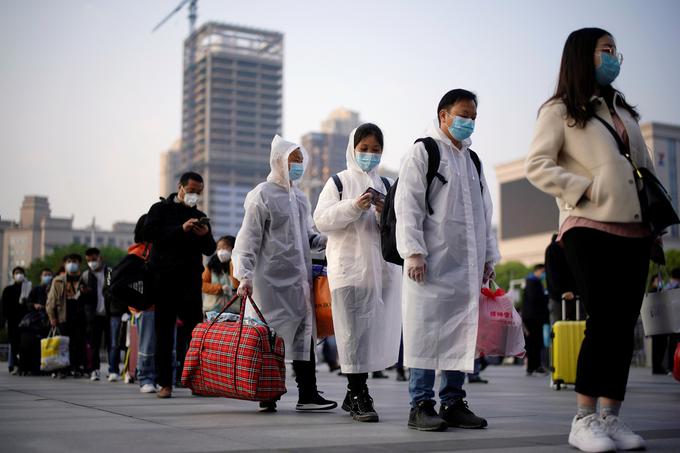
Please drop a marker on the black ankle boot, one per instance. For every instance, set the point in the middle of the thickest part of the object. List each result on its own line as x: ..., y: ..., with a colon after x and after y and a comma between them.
x: 423, y: 417
x: 361, y: 407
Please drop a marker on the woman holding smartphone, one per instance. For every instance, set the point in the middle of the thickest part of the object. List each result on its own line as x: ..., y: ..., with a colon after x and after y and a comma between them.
x: 365, y: 289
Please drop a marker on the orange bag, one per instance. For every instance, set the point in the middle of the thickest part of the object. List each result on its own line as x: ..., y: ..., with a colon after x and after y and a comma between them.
x: 322, y: 303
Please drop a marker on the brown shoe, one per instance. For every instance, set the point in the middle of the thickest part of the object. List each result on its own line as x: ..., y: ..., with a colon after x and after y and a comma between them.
x: 164, y: 392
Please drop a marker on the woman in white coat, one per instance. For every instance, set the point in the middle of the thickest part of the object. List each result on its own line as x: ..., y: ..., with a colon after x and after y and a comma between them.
x: 272, y: 260
x: 365, y: 289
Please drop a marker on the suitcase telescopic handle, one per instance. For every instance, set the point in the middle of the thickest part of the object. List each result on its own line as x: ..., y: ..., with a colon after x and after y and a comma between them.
x: 577, y: 301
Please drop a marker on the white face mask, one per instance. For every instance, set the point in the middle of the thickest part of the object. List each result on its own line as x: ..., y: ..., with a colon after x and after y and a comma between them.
x: 223, y: 255
x: 71, y: 267
x: 93, y: 265
x: 191, y: 199
x: 19, y: 278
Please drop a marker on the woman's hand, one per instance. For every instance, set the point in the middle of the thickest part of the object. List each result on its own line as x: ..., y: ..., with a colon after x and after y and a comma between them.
x: 363, y: 202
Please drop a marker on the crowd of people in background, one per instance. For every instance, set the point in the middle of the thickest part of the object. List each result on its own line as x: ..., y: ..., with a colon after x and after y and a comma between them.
x: 444, y: 237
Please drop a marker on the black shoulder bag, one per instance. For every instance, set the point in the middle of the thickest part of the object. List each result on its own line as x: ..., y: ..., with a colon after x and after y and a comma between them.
x: 655, y: 202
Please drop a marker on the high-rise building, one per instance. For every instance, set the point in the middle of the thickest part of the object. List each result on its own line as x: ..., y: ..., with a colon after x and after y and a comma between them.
x: 170, y: 167
x: 232, y: 108
x: 529, y: 217
x: 327, y: 151
x: 341, y: 121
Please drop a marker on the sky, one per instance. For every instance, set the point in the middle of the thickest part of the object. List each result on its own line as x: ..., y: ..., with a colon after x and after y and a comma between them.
x: 89, y: 97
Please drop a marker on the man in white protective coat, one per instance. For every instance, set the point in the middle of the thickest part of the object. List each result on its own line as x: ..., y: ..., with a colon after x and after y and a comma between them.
x: 365, y: 289
x: 449, y: 252
x: 273, y: 261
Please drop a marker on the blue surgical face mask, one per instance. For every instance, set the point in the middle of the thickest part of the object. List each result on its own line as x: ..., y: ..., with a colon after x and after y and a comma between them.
x: 296, y: 171
x: 461, y: 128
x: 71, y: 267
x: 46, y: 279
x: 608, y: 70
x: 367, y: 161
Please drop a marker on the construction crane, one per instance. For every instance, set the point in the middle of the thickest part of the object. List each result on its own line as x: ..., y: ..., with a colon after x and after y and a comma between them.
x: 193, y: 14
x: 187, y: 146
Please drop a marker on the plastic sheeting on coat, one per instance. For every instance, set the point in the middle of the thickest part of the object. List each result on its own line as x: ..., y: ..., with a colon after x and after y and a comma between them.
x: 441, y: 315
x: 272, y: 250
x: 365, y: 289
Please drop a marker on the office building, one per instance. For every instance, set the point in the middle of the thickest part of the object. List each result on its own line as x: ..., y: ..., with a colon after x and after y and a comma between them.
x: 327, y: 151
x: 170, y: 169
x: 37, y: 233
x: 232, y: 108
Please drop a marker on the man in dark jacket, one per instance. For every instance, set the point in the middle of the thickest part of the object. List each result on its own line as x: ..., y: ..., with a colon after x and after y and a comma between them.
x: 100, y: 321
x: 534, y: 315
x: 180, y: 235
x: 560, y: 283
x: 13, y: 310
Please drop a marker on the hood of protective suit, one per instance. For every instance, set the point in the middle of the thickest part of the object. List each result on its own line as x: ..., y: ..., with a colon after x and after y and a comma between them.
x: 436, y: 133
x: 352, y: 164
x: 278, y: 160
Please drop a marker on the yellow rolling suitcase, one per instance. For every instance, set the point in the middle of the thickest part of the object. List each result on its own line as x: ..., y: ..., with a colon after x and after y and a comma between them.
x: 567, y: 337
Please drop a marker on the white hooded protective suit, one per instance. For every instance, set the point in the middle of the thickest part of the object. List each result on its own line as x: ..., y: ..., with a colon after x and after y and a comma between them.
x: 365, y: 289
x: 272, y: 250
x: 441, y: 315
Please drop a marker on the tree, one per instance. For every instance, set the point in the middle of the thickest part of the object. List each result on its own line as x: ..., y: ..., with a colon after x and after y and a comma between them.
x: 111, y: 256
x: 510, y: 270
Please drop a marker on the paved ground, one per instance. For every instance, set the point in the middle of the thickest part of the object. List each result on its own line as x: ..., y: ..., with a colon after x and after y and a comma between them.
x: 38, y: 414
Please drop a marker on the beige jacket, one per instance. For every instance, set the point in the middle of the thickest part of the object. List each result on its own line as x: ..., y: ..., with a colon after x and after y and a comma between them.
x: 56, y: 299
x: 564, y: 161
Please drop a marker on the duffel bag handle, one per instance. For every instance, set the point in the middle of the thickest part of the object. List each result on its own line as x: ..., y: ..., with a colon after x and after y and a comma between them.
x: 242, y: 312
x: 240, y: 328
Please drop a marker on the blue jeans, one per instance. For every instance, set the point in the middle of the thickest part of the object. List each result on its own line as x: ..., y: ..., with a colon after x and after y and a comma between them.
x: 421, y: 385
x: 478, y: 367
x: 146, y: 331
x: 114, y: 350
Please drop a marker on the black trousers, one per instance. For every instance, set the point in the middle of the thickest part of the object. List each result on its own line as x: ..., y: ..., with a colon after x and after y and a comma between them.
x: 14, y: 337
x: 175, y: 297
x: 534, y: 343
x: 75, y: 328
x: 97, y: 327
x: 610, y: 273
x: 305, y: 375
x: 356, y: 382
x: 659, y: 349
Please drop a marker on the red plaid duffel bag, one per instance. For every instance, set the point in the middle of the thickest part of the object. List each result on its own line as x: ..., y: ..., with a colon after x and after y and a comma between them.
x: 236, y: 360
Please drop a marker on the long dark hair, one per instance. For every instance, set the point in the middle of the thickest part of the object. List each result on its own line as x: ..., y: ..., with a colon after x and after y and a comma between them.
x: 577, y: 84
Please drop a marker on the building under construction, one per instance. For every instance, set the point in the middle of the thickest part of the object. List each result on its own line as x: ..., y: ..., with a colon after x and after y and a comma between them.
x: 232, y: 107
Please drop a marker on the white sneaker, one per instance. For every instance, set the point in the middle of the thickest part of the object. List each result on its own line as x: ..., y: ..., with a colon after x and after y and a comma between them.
x: 147, y: 388
x: 588, y: 434
x: 621, y: 434
x: 114, y: 377
x: 94, y: 376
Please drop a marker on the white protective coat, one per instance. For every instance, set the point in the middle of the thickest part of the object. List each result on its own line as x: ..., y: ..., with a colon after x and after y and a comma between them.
x: 365, y: 289
x: 441, y: 315
x: 272, y: 250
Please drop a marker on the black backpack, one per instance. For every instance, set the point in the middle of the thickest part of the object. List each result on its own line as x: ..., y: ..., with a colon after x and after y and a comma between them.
x: 129, y: 284
x: 388, y: 219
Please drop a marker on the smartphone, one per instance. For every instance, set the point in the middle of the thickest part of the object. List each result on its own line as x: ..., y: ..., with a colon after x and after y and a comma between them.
x: 205, y: 221
x: 375, y: 195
